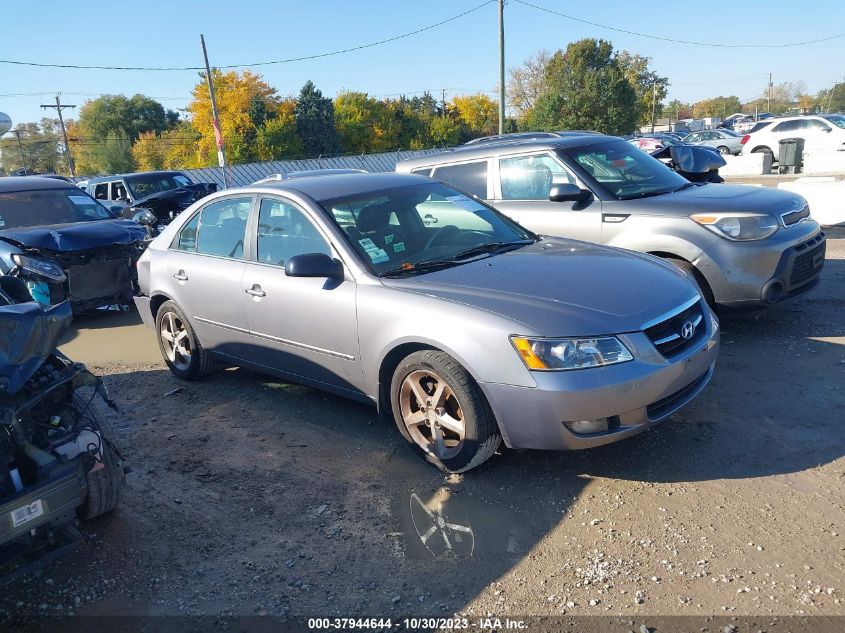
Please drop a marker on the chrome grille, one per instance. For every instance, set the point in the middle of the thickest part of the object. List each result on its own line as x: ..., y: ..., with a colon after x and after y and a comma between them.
x: 678, y: 331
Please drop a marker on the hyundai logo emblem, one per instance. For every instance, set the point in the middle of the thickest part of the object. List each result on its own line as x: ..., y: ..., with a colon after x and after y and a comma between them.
x: 687, y: 330
x: 796, y: 203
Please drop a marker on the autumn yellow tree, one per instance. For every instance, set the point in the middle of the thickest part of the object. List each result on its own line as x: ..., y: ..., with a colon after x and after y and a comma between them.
x: 148, y: 152
x: 244, y: 102
x: 365, y: 124
x: 478, y: 112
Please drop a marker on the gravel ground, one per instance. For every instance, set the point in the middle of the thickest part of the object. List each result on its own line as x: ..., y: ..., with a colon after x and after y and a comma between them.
x: 251, y: 496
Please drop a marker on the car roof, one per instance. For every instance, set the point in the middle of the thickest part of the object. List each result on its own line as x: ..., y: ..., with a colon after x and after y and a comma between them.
x: 342, y: 185
x: 140, y: 173
x: 31, y: 183
x: 485, y: 150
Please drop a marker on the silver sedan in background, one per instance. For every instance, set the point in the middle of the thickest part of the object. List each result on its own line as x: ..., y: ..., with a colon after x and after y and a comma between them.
x: 403, y: 292
x: 725, y: 141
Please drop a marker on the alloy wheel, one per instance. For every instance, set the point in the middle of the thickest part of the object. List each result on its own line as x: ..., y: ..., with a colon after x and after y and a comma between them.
x: 176, y: 341
x: 432, y: 414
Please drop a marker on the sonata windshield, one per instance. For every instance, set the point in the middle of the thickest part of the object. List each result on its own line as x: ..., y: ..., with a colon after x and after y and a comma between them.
x: 412, y: 228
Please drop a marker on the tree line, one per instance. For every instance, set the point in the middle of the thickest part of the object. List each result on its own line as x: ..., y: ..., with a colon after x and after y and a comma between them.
x: 587, y: 86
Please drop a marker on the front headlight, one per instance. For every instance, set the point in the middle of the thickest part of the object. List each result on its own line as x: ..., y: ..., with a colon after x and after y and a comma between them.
x: 39, y: 267
x: 557, y: 354
x: 740, y: 228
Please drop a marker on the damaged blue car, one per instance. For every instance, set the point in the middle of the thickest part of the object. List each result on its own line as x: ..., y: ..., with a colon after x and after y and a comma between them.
x: 66, y: 246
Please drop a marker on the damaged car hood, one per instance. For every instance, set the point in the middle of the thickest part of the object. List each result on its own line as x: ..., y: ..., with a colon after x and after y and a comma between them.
x: 175, y: 199
x: 76, y: 237
x: 30, y: 333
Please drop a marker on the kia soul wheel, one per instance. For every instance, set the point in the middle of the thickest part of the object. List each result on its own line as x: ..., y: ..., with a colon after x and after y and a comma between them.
x: 442, y: 413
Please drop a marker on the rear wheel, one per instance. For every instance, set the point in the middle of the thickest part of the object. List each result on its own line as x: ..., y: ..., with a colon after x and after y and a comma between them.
x: 724, y: 151
x: 442, y: 413
x: 179, y: 345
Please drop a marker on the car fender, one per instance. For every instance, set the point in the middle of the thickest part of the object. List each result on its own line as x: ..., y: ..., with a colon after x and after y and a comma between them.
x: 477, y: 339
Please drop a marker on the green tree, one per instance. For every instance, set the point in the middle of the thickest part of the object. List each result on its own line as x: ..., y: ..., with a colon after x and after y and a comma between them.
x: 650, y: 87
x: 110, y: 115
x: 586, y: 89
x: 276, y: 138
x: 832, y: 99
x: 678, y: 110
x: 716, y: 107
x: 315, y: 122
x: 444, y: 131
x: 365, y: 124
x: 40, y: 144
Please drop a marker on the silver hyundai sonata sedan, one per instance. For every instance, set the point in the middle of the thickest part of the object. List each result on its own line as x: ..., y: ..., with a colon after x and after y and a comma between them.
x: 400, y: 291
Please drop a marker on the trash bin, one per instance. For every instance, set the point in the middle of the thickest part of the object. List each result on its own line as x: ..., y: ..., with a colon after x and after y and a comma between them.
x: 790, y: 154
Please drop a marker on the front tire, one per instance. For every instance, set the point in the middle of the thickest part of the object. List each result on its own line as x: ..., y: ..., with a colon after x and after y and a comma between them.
x: 442, y: 413
x: 706, y: 291
x: 179, y: 345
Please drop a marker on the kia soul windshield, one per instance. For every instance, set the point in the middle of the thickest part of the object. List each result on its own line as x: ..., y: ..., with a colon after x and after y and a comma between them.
x: 410, y: 228
x: 625, y: 171
x: 22, y: 209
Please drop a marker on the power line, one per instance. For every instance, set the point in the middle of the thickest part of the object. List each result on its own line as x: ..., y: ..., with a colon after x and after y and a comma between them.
x: 675, y: 41
x: 254, y: 64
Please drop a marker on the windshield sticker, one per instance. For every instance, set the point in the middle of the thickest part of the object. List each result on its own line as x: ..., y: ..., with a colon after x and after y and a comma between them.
x: 80, y: 200
x: 367, y: 244
x: 399, y: 247
x: 466, y: 202
x: 378, y: 256
x: 388, y: 239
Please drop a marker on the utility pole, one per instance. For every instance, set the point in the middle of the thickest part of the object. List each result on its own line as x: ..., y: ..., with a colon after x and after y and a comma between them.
x: 218, y: 135
x: 653, y: 104
x: 501, y: 66
x: 443, y: 101
x: 59, y: 107
x: 17, y: 133
x: 769, y: 95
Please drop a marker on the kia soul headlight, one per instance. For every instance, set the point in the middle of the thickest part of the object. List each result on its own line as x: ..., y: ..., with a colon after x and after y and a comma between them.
x: 738, y: 227
x: 558, y: 354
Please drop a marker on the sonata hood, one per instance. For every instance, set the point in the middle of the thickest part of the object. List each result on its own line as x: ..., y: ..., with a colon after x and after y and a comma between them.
x: 76, y: 237
x: 560, y: 287
x: 715, y: 198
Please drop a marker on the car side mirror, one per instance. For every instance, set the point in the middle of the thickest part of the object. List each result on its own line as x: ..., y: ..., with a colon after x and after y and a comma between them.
x: 123, y: 199
x: 314, y: 265
x: 568, y: 193
x: 825, y: 129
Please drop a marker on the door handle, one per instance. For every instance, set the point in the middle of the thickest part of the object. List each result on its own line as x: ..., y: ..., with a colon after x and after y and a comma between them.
x: 180, y: 276
x: 256, y: 291
x: 430, y: 218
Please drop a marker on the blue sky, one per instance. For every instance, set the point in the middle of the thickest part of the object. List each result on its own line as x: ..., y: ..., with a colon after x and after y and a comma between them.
x: 459, y: 56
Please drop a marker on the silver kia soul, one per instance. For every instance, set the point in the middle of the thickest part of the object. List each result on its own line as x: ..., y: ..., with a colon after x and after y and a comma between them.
x: 748, y: 247
x: 397, y: 290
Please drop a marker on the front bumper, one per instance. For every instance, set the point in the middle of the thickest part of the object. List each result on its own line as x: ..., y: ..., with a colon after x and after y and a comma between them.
x: 634, y: 395
x: 763, y: 273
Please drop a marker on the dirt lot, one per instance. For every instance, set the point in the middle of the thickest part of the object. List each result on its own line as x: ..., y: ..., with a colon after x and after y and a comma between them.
x: 250, y: 496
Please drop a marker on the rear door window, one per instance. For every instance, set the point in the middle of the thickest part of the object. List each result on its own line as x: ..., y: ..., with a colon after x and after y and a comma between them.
x: 817, y: 126
x: 471, y: 177
x: 222, y: 227
x: 284, y: 231
x: 789, y: 126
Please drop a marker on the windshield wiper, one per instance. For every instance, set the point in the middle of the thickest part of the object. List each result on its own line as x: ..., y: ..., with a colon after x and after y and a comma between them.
x: 492, y: 247
x: 457, y: 258
x: 644, y: 194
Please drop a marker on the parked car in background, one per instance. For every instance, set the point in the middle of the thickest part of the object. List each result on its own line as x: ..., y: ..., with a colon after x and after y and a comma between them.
x: 819, y: 133
x: 653, y: 142
x: 746, y: 246
x: 726, y: 142
x: 468, y: 332
x: 67, y: 246
x: 165, y: 194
